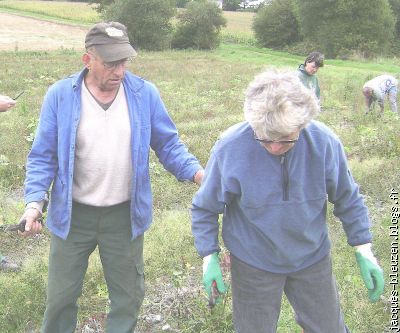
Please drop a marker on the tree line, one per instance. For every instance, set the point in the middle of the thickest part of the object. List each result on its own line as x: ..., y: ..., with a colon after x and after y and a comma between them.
x: 338, y: 28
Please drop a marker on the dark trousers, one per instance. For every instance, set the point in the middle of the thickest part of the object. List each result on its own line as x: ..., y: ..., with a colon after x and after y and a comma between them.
x: 312, y: 292
x: 109, y: 228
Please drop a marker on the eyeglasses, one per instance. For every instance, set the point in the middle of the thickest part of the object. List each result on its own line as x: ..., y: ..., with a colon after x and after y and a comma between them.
x: 112, y: 65
x: 281, y: 142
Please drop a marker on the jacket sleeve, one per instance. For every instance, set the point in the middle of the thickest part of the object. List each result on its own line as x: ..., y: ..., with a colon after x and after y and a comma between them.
x: 42, y: 159
x: 171, y: 152
x: 349, y: 205
x: 208, y: 203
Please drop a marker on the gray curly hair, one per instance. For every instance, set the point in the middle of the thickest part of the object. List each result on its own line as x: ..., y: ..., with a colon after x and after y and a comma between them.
x: 277, y: 104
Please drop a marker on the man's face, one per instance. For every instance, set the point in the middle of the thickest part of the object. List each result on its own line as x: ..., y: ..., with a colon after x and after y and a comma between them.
x: 281, y: 145
x: 107, y: 76
x: 311, y: 68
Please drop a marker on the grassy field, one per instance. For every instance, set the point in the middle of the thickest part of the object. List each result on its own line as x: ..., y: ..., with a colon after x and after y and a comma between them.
x: 203, y: 92
x: 61, y: 11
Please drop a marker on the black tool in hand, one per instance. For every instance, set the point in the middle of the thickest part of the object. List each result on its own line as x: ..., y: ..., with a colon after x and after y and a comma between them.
x: 20, y: 226
x: 15, y: 98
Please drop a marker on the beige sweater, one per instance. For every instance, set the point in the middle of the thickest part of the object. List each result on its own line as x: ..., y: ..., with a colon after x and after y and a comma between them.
x: 103, y: 160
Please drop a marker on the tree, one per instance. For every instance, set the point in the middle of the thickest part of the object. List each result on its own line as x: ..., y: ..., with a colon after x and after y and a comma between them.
x: 395, y: 6
x: 231, y: 5
x: 276, y: 25
x: 148, y: 21
x: 101, y: 5
x: 181, y: 3
x: 199, y: 26
x: 341, y: 27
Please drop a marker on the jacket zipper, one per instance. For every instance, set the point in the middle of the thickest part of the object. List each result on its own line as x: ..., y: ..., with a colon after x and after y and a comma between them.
x: 285, y: 178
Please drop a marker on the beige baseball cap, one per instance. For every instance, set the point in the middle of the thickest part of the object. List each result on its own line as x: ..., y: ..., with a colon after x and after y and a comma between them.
x: 110, y: 40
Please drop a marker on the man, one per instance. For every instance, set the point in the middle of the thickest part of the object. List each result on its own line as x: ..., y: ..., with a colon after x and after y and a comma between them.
x: 7, y: 103
x: 92, y: 146
x: 377, y: 88
x: 307, y: 72
x: 271, y: 178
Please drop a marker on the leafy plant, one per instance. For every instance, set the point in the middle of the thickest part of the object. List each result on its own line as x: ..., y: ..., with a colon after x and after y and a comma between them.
x: 276, y: 25
x: 148, y: 22
x: 199, y: 26
x: 345, y: 25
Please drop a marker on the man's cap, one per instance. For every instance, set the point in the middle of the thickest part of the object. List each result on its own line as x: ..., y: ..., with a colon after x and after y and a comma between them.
x: 110, y: 40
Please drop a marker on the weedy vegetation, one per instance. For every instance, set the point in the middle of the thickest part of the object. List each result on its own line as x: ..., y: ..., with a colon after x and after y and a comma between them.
x: 203, y: 92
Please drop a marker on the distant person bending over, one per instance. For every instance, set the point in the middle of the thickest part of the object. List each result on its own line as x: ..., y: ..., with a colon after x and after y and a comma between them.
x: 376, y: 90
x: 272, y: 177
x: 7, y: 103
x: 307, y: 72
x: 92, y: 148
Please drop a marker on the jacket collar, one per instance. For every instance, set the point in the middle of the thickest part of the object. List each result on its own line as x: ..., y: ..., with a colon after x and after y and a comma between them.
x: 303, y: 70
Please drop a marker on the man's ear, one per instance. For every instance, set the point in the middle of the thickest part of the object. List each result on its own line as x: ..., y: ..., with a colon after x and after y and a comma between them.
x: 86, y: 59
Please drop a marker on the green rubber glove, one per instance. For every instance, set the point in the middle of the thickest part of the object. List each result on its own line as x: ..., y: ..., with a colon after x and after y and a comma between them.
x: 371, y: 273
x: 212, y: 272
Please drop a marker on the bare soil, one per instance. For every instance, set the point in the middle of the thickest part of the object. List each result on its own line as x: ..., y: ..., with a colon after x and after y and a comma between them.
x: 29, y: 34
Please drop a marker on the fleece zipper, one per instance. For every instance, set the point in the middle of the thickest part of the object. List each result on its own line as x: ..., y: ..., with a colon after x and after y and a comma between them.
x: 285, y: 177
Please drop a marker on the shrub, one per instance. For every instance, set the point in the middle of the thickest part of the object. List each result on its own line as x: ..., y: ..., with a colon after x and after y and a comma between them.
x: 231, y: 5
x: 275, y: 25
x: 343, y: 26
x: 199, y: 26
x: 148, y: 22
x: 181, y: 3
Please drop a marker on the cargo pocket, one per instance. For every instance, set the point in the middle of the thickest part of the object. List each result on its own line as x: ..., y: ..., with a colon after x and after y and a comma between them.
x: 139, y: 285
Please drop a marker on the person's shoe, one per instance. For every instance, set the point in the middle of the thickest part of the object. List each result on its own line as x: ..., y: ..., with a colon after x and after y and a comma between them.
x: 8, y: 266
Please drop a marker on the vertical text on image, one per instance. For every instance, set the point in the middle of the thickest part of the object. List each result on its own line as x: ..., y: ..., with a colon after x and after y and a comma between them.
x: 394, y: 260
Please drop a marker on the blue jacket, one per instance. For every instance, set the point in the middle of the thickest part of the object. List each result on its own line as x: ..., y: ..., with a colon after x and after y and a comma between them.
x: 50, y: 162
x: 274, y: 207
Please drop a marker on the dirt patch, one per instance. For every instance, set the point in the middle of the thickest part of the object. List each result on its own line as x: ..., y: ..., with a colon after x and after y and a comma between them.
x: 26, y: 34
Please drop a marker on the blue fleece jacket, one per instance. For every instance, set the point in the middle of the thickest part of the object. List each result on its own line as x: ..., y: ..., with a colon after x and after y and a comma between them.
x: 51, y: 160
x: 274, y: 207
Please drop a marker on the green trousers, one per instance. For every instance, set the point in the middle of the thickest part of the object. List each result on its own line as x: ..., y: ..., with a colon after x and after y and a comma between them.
x: 122, y: 260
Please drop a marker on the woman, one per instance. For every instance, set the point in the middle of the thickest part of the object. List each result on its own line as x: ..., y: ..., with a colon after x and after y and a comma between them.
x: 307, y: 71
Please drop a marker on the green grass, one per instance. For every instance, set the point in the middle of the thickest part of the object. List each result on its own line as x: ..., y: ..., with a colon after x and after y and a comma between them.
x: 203, y: 92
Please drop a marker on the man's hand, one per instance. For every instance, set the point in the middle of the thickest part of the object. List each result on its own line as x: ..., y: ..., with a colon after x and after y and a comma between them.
x: 32, y: 217
x: 212, y: 272
x: 198, y: 177
x: 6, y: 103
x: 371, y: 272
